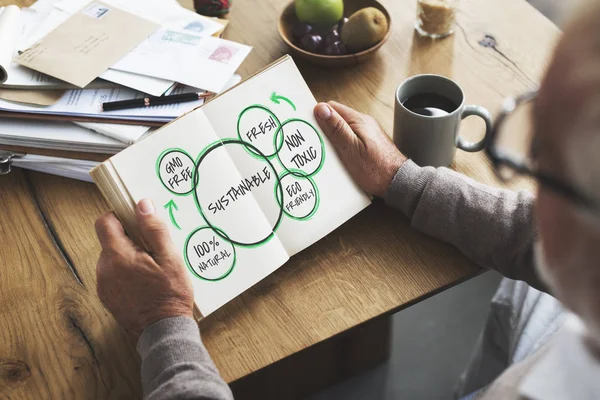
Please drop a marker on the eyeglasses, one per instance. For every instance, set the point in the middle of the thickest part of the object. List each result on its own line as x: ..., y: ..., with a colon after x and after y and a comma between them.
x: 513, y: 150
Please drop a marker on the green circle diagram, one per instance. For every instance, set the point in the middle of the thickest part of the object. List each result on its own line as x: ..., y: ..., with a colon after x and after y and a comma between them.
x: 159, y: 161
x: 295, y: 171
x: 297, y: 174
x: 312, y: 212
x: 213, y: 146
x: 276, y: 146
x: 220, y: 233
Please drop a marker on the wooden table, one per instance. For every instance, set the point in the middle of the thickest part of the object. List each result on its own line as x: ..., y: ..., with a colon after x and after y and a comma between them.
x: 58, y: 341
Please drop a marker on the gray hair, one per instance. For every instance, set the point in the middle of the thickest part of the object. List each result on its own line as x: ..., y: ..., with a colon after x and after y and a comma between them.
x: 582, y: 147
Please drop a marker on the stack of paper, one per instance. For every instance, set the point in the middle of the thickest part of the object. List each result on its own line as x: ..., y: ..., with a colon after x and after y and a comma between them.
x: 182, y: 50
x: 67, y: 167
x: 60, y: 60
x: 68, y: 43
x: 57, y: 136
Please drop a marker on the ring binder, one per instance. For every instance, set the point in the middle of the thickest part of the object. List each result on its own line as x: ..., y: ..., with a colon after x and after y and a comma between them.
x: 6, y: 159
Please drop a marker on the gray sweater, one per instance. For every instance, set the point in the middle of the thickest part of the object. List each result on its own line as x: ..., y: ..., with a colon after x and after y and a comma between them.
x: 492, y: 227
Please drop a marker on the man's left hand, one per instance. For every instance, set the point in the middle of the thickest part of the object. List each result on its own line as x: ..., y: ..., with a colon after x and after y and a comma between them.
x: 137, y: 287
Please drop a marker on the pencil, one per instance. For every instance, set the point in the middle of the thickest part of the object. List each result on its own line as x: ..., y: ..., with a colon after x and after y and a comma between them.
x: 153, y: 101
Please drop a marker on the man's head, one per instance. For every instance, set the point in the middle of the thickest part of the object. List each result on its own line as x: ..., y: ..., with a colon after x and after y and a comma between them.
x: 567, y: 123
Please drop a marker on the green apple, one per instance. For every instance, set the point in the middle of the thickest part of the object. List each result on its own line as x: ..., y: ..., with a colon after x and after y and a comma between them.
x: 323, y: 13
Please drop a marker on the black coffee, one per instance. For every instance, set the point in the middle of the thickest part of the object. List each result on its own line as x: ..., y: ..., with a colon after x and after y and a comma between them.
x: 430, y: 104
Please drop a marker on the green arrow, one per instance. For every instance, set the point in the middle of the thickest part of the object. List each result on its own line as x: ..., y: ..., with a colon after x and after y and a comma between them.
x: 275, y: 99
x: 170, y: 206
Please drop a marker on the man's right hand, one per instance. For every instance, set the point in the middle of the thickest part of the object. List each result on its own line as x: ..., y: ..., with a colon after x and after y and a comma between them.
x: 366, y: 150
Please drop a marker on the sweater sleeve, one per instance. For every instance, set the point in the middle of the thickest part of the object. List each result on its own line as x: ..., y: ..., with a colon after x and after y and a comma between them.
x: 175, y: 363
x: 493, y: 227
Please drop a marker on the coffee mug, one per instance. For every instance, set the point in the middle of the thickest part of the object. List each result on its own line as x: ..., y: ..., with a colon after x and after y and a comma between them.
x: 427, y: 116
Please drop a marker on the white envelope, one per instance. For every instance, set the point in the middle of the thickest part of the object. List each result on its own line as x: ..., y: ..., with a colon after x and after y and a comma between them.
x: 202, y: 62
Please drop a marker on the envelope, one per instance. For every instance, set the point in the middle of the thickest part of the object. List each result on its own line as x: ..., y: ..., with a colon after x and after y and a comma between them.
x: 87, y: 44
x: 45, y: 97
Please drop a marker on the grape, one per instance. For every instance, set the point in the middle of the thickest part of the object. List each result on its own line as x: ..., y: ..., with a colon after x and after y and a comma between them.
x: 300, y: 29
x: 335, y: 49
x: 324, y: 31
x: 311, y: 43
x: 331, y: 38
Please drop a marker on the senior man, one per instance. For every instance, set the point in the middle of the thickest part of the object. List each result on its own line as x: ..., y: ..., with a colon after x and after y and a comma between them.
x: 530, y: 349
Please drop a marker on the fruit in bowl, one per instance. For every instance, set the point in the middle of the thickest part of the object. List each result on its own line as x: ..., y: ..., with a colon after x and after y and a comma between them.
x: 364, y: 29
x: 320, y: 12
x: 318, y: 40
x: 320, y: 28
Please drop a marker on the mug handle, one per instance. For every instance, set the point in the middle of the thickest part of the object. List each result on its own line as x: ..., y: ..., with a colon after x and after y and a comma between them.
x: 487, y: 118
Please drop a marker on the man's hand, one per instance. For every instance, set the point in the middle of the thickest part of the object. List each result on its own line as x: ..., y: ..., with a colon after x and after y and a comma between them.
x: 140, y: 288
x: 362, y: 145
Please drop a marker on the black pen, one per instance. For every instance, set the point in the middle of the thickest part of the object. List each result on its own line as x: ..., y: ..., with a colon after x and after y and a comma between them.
x: 153, y: 101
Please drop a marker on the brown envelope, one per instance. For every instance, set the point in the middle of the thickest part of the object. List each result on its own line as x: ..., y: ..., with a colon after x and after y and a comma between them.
x: 87, y: 44
x: 35, y: 97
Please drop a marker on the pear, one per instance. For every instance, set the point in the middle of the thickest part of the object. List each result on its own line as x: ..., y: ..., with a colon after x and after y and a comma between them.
x: 364, y: 29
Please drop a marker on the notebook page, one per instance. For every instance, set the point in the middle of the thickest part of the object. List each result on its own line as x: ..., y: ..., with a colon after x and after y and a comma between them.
x: 187, y: 171
x: 312, y: 193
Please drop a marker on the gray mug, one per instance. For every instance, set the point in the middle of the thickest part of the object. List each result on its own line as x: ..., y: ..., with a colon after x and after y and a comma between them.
x: 432, y: 140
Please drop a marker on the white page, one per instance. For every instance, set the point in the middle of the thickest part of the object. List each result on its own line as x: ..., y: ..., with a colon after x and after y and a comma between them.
x: 45, y: 21
x: 63, y: 133
x: 329, y: 197
x: 202, y: 62
x: 160, y: 167
x: 30, y: 20
x: 88, y: 102
x: 9, y: 28
x: 127, y: 134
x: 55, y: 135
x: 19, y: 76
x: 67, y: 167
x: 141, y: 83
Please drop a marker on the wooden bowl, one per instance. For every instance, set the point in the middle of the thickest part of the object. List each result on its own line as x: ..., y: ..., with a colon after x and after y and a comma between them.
x: 288, y: 18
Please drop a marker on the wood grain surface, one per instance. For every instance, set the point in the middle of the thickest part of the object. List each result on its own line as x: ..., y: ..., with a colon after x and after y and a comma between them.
x: 58, y: 341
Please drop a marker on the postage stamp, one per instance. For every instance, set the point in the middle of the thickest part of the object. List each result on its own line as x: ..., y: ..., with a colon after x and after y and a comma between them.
x: 178, y: 37
x: 223, y: 54
x: 194, y: 26
x: 96, y: 10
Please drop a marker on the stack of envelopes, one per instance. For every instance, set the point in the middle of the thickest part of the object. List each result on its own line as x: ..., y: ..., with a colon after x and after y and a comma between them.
x: 60, y: 60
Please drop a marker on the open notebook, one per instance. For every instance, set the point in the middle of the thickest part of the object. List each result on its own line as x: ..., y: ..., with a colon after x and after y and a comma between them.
x: 244, y: 182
